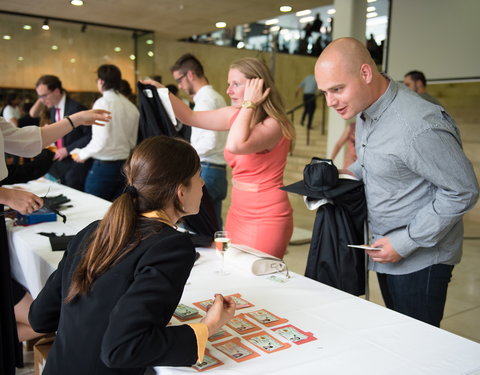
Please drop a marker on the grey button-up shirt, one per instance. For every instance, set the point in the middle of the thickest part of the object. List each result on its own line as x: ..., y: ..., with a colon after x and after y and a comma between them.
x: 418, y: 181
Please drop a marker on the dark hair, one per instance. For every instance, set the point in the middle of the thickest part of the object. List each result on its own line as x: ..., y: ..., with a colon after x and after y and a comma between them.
x: 52, y: 82
x: 172, y: 88
x: 11, y: 97
x: 188, y: 62
x: 111, y: 76
x: 153, y: 172
x: 417, y: 75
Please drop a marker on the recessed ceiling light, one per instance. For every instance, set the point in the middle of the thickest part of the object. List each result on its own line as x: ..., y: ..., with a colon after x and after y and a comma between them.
x: 7, y: 37
x: 285, y: 8
x: 149, y: 41
x: 27, y: 27
x: 54, y: 47
x: 275, y: 28
x: 20, y: 58
x: 221, y: 25
x: 77, y: 3
x: 331, y: 11
x: 273, y: 21
x: 302, y: 13
x: 150, y: 53
x: 45, y: 25
x: 371, y: 9
x: 132, y: 57
x: 371, y: 1
x: 72, y: 60
x: 117, y: 49
x: 306, y: 19
x: 372, y: 14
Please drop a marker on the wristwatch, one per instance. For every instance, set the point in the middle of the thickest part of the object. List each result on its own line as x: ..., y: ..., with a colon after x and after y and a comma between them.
x: 249, y: 104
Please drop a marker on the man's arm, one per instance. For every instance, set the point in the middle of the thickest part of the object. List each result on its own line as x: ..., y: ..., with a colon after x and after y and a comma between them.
x: 438, y: 157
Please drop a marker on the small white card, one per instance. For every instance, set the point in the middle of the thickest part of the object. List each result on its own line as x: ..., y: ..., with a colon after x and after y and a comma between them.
x: 365, y: 247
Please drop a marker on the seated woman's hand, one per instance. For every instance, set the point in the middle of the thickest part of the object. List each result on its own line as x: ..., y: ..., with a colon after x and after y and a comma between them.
x: 91, y: 117
x: 158, y: 85
x: 222, y: 310
x: 254, y: 91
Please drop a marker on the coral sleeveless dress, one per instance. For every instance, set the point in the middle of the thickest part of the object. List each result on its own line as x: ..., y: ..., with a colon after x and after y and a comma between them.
x: 260, y: 215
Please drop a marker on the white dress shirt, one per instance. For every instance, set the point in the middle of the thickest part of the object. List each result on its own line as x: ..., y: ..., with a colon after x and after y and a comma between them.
x: 25, y: 141
x: 118, y: 137
x: 209, y: 143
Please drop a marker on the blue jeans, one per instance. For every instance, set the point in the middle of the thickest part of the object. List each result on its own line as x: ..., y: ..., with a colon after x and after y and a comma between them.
x: 420, y: 295
x: 215, y: 178
x: 105, y: 179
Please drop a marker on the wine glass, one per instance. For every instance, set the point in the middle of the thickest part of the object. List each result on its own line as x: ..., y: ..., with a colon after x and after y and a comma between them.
x: 222, y: 242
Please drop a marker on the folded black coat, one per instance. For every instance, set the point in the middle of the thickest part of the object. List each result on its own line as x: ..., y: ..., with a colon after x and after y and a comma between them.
x: 337, y: 225
x: 154, y: 121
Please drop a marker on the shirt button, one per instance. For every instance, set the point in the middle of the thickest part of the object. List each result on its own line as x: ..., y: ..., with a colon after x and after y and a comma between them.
x: 362, y: 166
x: 364, y: 145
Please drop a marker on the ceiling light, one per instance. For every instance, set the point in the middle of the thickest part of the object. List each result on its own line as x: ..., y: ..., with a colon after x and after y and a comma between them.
x: 220, y: 25
x: 72, y: 60
x: 371, y: 9
x: 77, y: 3
x: 27, y: 27
x: 54, y: 47
x: 132, y: 57
x: 117, y: 49
x: 285, y: 31
x: 331, y: 11
x: 273, y: 21
x: 275, y: 28
x: 285, y: 8
x: 149, y: 41
x: 306, y: 19
x: 7, y: 37
x: 20, y: 58
x: 150, y: 53
x: 371, y: 1
x: 302, y: 13
x: 372, y: 14
x: 45, y: 25
x: 240, y: 45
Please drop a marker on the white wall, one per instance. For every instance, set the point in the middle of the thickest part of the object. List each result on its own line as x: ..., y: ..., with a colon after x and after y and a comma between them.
x: 439, y: 37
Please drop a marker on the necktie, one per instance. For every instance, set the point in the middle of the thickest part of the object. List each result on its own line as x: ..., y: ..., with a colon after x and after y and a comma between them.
x: 59, y: 143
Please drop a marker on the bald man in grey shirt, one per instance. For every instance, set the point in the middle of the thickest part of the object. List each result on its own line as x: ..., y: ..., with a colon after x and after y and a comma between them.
x: 418, y: 181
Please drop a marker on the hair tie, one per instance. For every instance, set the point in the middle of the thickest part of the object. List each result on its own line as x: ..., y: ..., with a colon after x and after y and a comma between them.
x: 132, y: 190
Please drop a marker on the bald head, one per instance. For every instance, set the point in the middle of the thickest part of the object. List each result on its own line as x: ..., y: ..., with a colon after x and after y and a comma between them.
x: 347, y: 74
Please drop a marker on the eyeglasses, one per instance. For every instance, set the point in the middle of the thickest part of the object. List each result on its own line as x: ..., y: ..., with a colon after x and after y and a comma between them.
x: 44, y: 95
x: 179, y: 79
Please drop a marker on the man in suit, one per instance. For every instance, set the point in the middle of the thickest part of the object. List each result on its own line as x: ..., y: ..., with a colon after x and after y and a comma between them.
x: 51, y: 94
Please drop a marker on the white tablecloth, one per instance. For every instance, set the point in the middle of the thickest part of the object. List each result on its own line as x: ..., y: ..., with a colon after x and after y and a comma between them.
x: 32, y: 258
x: 354, y: 336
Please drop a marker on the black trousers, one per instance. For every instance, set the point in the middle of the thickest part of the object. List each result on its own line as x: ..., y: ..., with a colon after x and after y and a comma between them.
x: 310, y: 104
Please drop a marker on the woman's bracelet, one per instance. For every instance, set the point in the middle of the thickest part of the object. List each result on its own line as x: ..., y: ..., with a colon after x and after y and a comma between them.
x: 249, y: 104
x: 70, y: 121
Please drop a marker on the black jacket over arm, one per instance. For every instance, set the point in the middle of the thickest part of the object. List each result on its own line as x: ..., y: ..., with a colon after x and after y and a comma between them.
x: 120, y: 326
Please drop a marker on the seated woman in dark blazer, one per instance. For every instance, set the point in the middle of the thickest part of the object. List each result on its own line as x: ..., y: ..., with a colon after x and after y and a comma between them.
x: 121, y: 279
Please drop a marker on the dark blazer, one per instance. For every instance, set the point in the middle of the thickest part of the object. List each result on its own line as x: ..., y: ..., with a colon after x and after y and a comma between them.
x: 119, y: 327
x: 81, y: 135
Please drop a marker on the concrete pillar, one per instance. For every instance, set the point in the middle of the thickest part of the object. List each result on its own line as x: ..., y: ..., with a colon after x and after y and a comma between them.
x: 349, y: 20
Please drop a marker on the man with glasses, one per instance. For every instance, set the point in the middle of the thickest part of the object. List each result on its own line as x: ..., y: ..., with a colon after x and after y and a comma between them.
x: 189, y: 75
x: 52, y: 95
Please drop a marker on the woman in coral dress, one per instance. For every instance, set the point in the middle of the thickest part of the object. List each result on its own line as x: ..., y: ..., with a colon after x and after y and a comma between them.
x: 260, y: 137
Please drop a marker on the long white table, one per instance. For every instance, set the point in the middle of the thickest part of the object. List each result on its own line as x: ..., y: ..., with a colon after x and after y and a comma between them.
x: 31, y: 255
x: 354, y: 336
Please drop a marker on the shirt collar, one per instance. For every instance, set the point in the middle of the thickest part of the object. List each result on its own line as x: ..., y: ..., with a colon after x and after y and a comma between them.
x: 203, y: 88
x: 61, y: 104
x: 376, y: 110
